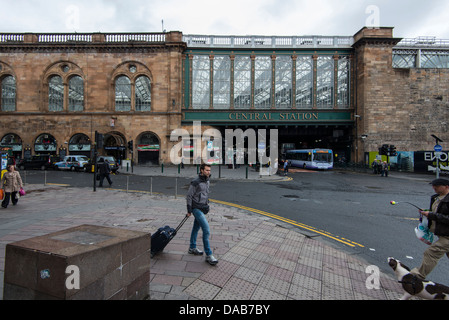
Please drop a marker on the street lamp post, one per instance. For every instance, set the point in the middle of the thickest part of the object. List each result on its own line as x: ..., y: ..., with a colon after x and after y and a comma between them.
x: 437, y: 148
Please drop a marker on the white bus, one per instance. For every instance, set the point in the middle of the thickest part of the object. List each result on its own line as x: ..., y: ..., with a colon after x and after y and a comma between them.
x: 311, y: 158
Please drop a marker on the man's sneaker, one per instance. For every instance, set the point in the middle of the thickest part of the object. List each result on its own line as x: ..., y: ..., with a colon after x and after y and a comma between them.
x: 211, y: 260
x: 195, y: 251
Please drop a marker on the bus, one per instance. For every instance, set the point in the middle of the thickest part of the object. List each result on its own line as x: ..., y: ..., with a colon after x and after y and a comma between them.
x: 310, y: 158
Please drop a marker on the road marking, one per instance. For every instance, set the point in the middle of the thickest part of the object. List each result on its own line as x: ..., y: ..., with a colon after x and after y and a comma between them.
x: 58, y: 184
x: 292, y: 222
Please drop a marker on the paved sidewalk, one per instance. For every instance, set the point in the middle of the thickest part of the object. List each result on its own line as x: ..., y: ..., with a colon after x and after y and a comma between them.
x: 259, y: 257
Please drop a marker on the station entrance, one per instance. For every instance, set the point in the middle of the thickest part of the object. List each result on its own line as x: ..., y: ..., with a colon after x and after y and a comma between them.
x: 339, y: 138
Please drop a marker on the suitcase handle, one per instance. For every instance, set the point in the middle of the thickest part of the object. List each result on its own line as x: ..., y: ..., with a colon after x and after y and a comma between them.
x: 182, y: 223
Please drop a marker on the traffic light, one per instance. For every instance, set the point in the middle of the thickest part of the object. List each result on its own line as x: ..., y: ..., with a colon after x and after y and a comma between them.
x: 99, y: 140
x: 393, y: 151
x: 383, y: 150
x: 130, y: 145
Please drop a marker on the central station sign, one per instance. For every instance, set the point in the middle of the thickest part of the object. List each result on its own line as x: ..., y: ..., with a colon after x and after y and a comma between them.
x: 266, y: 116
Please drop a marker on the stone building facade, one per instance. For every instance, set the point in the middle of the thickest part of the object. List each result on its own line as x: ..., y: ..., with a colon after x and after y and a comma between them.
x: 398, y: 106
x: 53, y: 115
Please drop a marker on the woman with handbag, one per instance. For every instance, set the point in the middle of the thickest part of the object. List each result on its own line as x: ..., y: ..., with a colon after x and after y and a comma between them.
x: 11, y: 183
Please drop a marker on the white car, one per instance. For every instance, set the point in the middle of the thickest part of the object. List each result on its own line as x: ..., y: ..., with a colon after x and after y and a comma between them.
x: 73, y: 163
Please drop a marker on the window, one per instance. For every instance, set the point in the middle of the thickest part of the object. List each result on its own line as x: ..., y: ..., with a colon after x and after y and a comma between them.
x: 55, y: 94
x: 343, y: 82
x: 242, y: 82
x: 76, y: 93
x: 122, y: 94
x: 143, y: 94
x: 304, y: 82
x: 262, y: 85
x: 201, y: 82
x: 8, y: 99
x: 283, y: 82
x: 325, y: 82
x: 222, y: 82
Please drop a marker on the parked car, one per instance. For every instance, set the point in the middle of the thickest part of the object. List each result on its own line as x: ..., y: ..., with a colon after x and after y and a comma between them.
x: 113, y: 164
x: 73, y: 163
x: 41, y: 161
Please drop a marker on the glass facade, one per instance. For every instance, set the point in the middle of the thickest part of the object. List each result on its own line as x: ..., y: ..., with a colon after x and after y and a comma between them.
x: 260, y: 82
x: 222, y: 82
x: 201, y: 82
x: 242, y: 82
x: 420, y: 58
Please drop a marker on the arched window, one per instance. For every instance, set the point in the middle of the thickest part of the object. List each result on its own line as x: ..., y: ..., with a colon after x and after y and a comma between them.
x: 55, y: 94
x: 143, y: 94
x: 122, y: 94
x: 76, y: 93
x: 8, y: 99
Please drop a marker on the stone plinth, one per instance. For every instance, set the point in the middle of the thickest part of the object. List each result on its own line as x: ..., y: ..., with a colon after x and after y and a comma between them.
x: 84, y: 262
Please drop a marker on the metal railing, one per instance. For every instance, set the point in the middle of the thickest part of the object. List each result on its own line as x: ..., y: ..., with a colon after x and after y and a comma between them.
x: 423, y: 42
x: 268, y: 41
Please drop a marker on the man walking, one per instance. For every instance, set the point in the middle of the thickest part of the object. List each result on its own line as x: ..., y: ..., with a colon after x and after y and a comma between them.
x: 438, y: 218
x: 198, y: 205
x: 104, y: 171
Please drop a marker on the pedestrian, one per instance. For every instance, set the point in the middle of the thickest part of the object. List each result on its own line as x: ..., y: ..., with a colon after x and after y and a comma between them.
x: 104, y: 170
x: 384, y: 169
x: 285, y: 167
x: 198, y: 205
x: 11, y: 183
x: 375, y: 167
x: 438, y: 222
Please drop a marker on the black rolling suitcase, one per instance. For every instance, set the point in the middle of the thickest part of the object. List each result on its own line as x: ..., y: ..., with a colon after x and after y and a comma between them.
x: 163, y: 236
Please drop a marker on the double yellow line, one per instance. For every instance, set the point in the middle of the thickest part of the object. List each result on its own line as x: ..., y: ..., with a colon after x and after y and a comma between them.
x: 292, y: 222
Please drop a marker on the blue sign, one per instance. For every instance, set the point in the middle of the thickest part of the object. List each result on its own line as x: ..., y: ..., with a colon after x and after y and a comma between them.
x: 438, y: 148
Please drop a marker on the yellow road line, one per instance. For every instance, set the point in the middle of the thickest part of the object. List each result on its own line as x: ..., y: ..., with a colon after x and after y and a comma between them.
x: 58, y: 184
x: 292, y: 222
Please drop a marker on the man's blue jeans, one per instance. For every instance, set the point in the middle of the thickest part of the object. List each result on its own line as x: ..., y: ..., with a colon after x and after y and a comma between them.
x: 200, y: 222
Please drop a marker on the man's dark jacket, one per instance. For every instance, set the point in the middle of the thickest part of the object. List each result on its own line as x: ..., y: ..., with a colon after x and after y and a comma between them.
x: 441, y: 216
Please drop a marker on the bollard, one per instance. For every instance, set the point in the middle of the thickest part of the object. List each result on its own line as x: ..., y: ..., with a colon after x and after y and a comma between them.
x: 176, y: 188
x: 247, y: 172
x: 151, y: 186
x: 162, y: 168
x: 179, y: 168
x: 127, y: 183
x: 45, y: 177
x: 127, y: 166
x: 219, y: 171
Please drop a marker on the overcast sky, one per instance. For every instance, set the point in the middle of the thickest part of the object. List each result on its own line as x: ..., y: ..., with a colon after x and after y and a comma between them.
x: 410, y: 18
